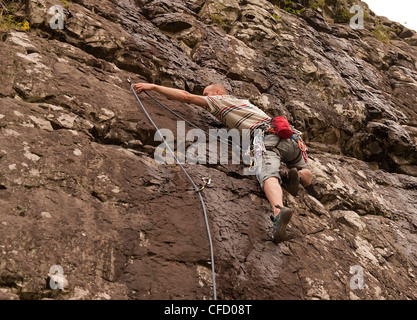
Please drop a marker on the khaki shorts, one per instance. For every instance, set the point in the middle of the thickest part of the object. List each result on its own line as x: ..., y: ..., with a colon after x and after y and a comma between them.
x: 289, y: 153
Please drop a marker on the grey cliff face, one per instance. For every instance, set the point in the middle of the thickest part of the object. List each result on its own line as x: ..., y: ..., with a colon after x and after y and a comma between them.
x: 79, y: 186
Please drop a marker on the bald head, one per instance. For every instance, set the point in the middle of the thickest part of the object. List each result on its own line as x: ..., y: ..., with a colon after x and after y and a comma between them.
x: 214, y: 90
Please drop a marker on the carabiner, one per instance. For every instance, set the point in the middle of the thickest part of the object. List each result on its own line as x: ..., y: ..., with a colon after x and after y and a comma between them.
x: 302, y: 145
x: 206, y: 182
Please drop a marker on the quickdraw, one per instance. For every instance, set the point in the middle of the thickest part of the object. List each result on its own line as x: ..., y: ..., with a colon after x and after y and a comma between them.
x: 258, y: 145
x: 258, y: 149
x: 253, y: 165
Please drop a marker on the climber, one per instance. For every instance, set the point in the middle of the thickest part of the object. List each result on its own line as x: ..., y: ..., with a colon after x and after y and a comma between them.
x: 241, y: 114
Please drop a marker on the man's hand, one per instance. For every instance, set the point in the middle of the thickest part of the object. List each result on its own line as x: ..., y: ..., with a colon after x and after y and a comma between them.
x: 142, y: 86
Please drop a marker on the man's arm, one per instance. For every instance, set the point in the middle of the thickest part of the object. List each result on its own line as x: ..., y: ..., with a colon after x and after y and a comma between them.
x: 171, y: 93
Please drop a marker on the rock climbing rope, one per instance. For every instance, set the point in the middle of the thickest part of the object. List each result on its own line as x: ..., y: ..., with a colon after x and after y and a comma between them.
x: 206, y: 181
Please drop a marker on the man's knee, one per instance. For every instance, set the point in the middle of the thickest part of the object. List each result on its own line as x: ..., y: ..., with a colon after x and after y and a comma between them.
x: 306, y: 177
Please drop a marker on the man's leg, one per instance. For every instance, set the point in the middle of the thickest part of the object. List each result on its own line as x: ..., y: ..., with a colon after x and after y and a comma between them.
x: 269, y: 178
x: 273, y: 192
x: 282, y: 215
x: 306, y: 178
x: 296, y: 176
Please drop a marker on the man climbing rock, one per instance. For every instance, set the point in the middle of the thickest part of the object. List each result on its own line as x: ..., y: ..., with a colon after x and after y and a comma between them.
x: 241, y: 114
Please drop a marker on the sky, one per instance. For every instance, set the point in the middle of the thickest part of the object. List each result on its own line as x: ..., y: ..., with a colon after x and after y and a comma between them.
x: 402, y: 11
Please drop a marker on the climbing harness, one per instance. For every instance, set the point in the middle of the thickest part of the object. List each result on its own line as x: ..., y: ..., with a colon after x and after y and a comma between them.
x: 301, y: 144
x: 206, y: 181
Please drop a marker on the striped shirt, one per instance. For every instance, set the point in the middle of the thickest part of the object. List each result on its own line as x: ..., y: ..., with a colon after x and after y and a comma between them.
x: 237, y: 113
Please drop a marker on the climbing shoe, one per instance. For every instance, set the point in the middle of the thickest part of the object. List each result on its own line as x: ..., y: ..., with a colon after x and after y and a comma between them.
x: 293, y: 182
x: 280, y: 223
